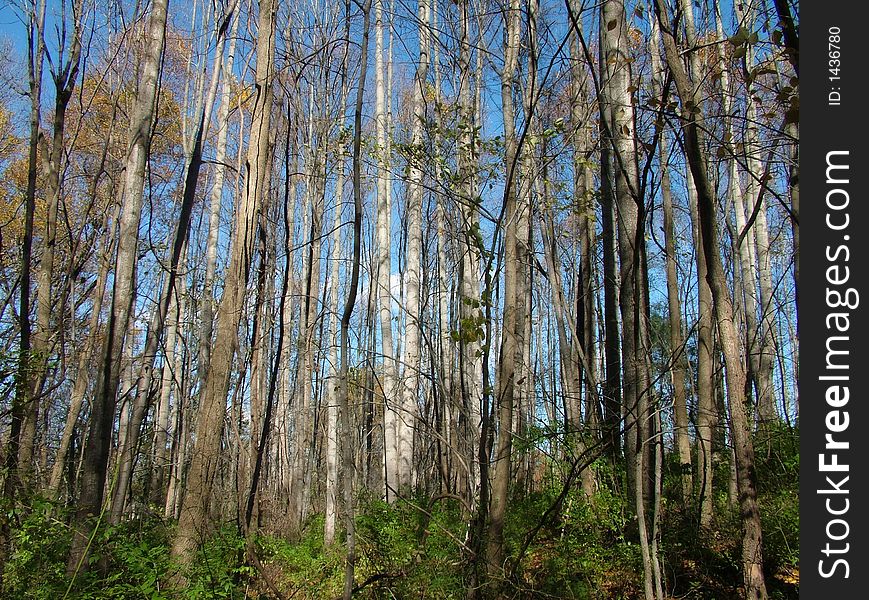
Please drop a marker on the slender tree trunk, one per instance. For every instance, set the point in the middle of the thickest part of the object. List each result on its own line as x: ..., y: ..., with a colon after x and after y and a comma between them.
x: 333, y: 457
x: 619, y: 115
x: 23, y: 402
x: 216, y: 202
x: 86, y: 358
x: 678, y: 351
x: 193, y: 521
x: 511, y: 353
x: 388, y: 378
x: 583, y: 184
x: 411, y: 380
x: 64, y: 83
x: 470, y: 363
x: 169, y: 379
x: 98, y: 444
x: 346, y: 430
x: 752, y: 550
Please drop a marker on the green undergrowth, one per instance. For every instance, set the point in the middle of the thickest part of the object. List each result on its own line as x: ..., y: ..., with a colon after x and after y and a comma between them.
x: 419, y: 548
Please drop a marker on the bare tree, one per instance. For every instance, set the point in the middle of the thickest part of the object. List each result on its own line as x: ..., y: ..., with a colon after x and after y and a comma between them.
x: 209, y: 427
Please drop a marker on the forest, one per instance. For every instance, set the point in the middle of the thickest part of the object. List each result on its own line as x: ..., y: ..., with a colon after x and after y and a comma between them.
x: 387, y: 299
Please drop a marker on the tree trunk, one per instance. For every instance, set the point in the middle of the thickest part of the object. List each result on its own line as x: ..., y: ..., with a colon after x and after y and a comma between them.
x: 346, y: 430
x: 64, y: 83
x: 388, y: 378
x: 411, y: 380
x: 511, y: 353
x: 193, y: 522
x: 333, y: 381
x: 86, y: 358
x: 678, y: 351
x: 24, y: 402
x: 619, y: 119
x: 215, y: 203
x: 752, y: 552
x: 98, y: 444
x: 141, y: 401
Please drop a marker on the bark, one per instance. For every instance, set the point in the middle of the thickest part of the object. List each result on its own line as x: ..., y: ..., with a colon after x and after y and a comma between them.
x: 678, y: 352
x: 446, y: 390
x: 262, y: 428
x: 193, y: 520
x: 752, y: 550
x: 411, y: 380
x: 97, y: 446
x: 612, y: 390
x: 511, y: 353
x: 92, y: 345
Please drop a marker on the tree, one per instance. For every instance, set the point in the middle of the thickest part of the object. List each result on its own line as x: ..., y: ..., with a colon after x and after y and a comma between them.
x: 97, y: 447
x: 752, y: 549
x: 200, y: 480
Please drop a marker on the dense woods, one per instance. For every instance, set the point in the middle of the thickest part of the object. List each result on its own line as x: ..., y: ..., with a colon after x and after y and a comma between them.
x: 387, y: 299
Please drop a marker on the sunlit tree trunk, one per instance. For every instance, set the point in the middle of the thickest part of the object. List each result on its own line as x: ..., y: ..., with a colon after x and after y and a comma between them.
x: 98, y: 444
x: 678, y: 352
x: 470, y: 363
x: 333, y: 382
x: 192, y: 524
x: 346, y: 425
x: 616, y: 91
x: 511, y: 352
x: 765, y: 332
x: 417, y: 154
x: 387, y: 380
x: 583, y: 194
x: 752, y: 549
x: 216, y: 201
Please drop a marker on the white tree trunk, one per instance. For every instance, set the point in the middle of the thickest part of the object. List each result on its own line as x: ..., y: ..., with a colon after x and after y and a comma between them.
x: 387, y: 378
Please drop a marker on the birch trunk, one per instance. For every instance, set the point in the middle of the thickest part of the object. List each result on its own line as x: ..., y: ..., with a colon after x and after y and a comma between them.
x: 411, y: 380
x: 333, y: 378
x: 388, y: 378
